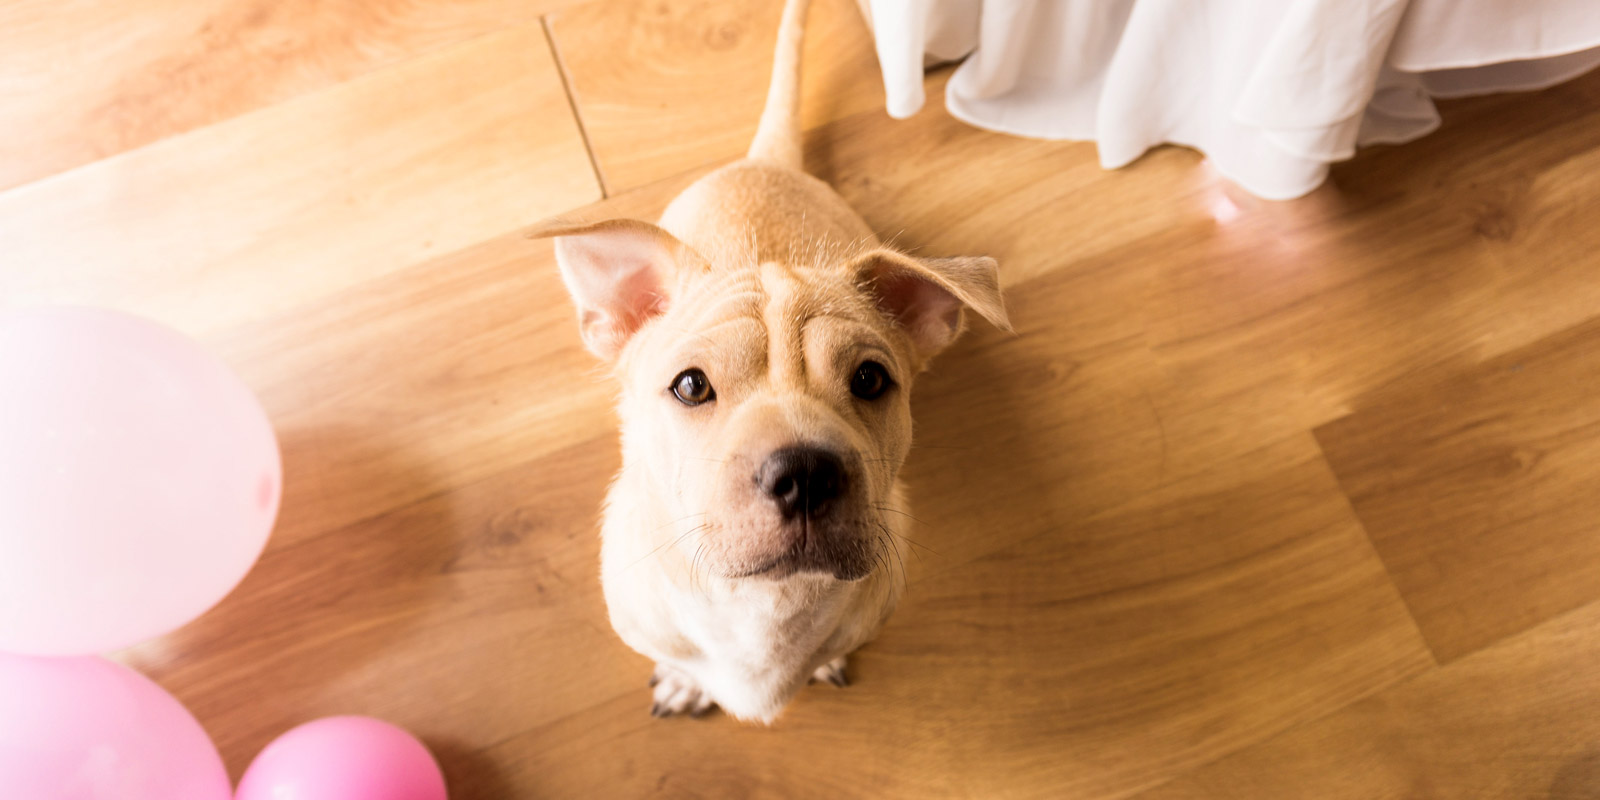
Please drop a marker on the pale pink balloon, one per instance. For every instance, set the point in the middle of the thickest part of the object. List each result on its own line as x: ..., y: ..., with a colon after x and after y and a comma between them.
x: 139, y: 479
x: 89, y: 729
x: 343, y: 758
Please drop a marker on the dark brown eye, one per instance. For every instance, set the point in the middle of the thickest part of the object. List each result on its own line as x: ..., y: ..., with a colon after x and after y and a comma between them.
x: 691, y: 388
x: 870, y: 381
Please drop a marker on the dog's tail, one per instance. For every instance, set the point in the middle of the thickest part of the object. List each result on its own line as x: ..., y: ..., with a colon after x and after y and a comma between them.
x: 778, y: 135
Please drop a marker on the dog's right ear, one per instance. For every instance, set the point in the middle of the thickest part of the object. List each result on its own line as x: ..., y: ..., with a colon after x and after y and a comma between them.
x: 925, y: 296
x: 620, y: 272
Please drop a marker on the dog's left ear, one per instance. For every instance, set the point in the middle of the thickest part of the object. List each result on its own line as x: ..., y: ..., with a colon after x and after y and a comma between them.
x: 620, y: 273
x: 926, y: 295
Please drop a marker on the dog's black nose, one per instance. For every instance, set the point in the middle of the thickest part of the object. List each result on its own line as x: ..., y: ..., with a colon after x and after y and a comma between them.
x: 802, y: 480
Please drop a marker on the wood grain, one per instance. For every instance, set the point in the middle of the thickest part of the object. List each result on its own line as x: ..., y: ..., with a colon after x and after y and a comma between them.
x: 1408, y: 263
x: 246, y: 218
x: 1140, y: 631
x: 1132, y: 558
x: 642, y: 70
x: 437, y: 365
x: 1520, y: 719
x: 461, y: 615
x: 1478, y: 490
x: 1142, y: 558
x: 87, y: 79
x: 440, y: 407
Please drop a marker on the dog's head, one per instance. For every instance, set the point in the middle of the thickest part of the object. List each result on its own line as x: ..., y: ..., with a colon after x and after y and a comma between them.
x: 767, y: 403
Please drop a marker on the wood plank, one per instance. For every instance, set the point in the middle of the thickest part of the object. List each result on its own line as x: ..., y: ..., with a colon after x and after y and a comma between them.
x: 1517, y: 720
x: 1028, y: 203
x: 439, y: 365
x: 435, y: 361
x: 1479, y: 490
x: 1409, y: 262
x: 1087, y: 661
x: 1132, y: 560
x: 242, y: 220
x: 465, y: 616
x: 666, y: 87
x: 87, y: 79
x: 448, y: 406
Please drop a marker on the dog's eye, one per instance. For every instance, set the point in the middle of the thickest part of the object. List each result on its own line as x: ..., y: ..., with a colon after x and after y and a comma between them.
x: 870, y: 381
x: 691, y: 387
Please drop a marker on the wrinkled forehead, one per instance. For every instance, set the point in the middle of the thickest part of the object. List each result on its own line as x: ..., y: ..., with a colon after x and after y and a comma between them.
x: 769, y: 318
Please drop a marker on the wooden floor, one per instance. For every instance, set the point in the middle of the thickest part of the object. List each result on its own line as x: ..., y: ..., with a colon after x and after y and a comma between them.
x: 1265, y: 500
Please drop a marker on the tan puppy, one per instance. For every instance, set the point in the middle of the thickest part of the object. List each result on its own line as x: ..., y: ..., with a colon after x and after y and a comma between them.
x: 766, y: 344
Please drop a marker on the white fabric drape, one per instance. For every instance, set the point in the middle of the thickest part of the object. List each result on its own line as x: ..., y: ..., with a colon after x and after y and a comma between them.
x: 1271, y: 91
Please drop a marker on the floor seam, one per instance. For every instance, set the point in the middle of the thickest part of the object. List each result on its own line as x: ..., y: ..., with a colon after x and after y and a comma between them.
x: 572, y: 102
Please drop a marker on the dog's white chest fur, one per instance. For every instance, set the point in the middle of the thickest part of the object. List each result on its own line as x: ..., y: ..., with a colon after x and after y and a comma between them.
x: 749, y: 645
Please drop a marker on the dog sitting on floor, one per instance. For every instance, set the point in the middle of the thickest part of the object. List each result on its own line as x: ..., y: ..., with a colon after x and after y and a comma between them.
x: 766, y: 343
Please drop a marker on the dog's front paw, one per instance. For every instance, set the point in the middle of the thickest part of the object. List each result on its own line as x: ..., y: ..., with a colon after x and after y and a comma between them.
x: 832, y: 672
x: 677, y: 693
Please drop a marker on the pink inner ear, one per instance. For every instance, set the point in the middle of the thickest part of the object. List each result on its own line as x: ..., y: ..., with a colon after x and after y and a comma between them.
x: 618, y: 278
x: 927, y: 312
x: 636, y: 296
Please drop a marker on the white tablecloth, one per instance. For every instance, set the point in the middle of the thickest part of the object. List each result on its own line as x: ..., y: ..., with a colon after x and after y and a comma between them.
x: 1271, y: 91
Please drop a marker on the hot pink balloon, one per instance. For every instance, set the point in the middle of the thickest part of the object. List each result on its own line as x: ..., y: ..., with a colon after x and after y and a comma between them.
x: 343, y: 758
x: 138, y: 480
x: 89, y: 729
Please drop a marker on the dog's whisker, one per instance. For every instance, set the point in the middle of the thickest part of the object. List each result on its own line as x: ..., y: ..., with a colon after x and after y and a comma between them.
x: 694, y: 561
x: 659, y: 547
x: 695, y: 584
x: 905, y: 538
x: 694, y: 572
x: 684, y: 518
x: 674, y: 542
x: 901, y: 513
x: 893, y: 548
x: 888, y: 566
x: 901, y: 535
x: 901, y: 556
x: 904, y: 577
x: 915, y: 543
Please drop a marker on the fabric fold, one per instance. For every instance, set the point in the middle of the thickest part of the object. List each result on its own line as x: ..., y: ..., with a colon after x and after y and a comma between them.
x: 1272, y: 93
